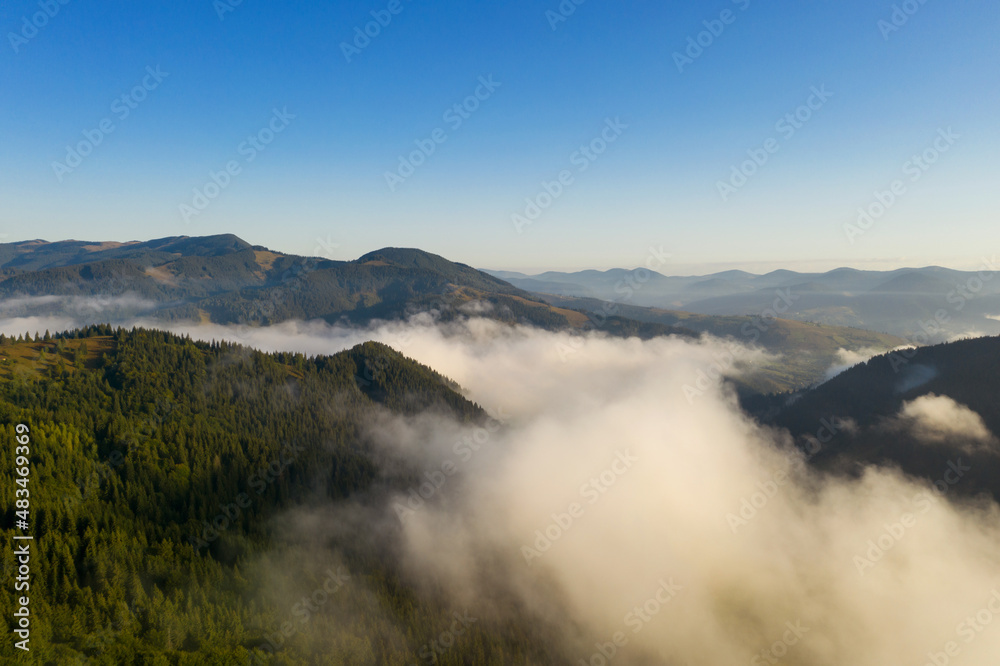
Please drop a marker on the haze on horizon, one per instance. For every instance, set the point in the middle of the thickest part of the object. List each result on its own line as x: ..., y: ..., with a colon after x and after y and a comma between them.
x: 656, y: 255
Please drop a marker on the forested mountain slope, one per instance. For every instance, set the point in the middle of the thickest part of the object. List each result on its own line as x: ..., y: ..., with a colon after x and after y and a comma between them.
x: 160, y: 468
x: 225, y: 280
x: 918, y: 409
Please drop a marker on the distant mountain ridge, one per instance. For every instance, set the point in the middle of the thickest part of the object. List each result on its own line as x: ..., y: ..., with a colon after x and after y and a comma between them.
x: 223, y: 279
x: 38, y: 254
x: 895, y: 301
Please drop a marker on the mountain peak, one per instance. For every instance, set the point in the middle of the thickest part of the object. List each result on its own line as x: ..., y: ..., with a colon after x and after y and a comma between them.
x: 404, y: 257
x: 200, y: 245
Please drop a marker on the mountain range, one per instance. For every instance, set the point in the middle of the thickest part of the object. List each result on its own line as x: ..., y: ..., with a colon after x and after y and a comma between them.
x: 935, y: 302
x: 225, y: 280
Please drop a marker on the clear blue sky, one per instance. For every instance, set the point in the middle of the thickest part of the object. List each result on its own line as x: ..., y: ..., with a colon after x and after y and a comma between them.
x: 321, y: 181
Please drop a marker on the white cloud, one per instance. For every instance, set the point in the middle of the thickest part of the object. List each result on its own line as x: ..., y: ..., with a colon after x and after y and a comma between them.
x: 938, y: 418
x: 666, y: 516
x: 847, y: 358
x: 76, y: 306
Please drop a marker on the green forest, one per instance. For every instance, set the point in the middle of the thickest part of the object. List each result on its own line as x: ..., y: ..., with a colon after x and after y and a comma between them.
x: 160, y: 470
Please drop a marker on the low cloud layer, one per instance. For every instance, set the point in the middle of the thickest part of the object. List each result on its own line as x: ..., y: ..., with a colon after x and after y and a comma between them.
x: 938, y: 418
x: 608, y: 483
x: 847, y: 358
x: 70, y: 309
x: 666, y: 530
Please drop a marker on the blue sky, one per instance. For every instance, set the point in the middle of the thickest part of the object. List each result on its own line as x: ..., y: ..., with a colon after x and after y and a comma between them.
x: 317, y: 184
